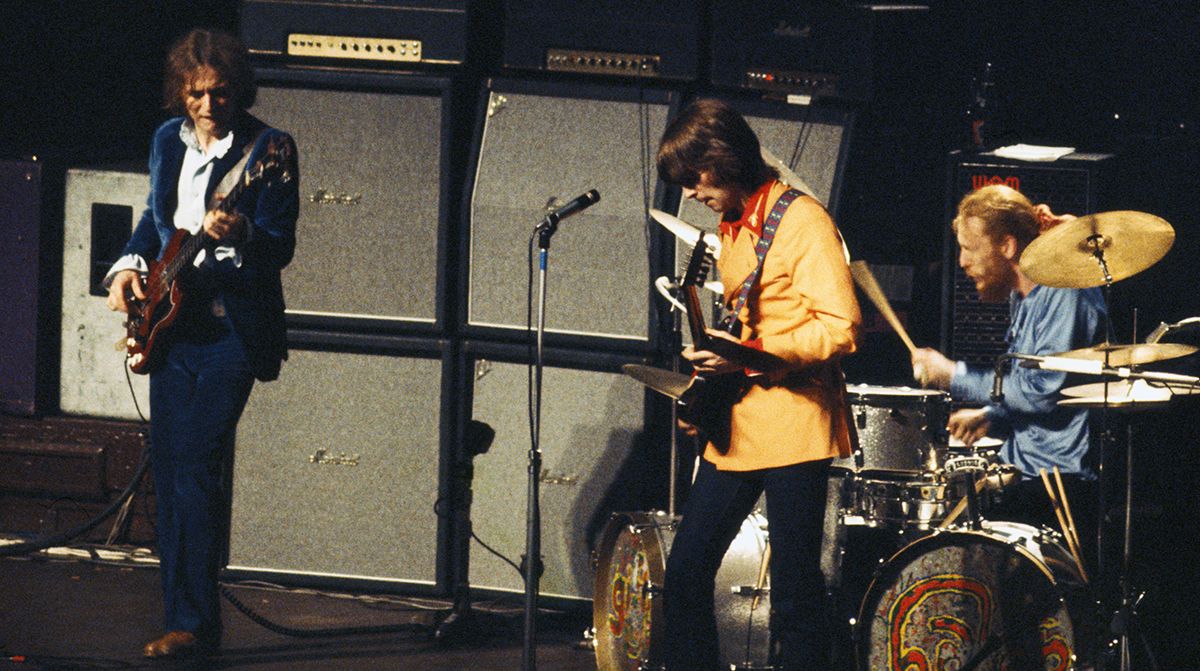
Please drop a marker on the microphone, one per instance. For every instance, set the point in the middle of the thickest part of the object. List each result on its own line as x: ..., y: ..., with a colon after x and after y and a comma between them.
x: 998, y: 378
x: 576, y: 205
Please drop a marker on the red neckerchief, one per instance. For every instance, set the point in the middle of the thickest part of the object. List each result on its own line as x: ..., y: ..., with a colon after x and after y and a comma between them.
x: 752, y: 217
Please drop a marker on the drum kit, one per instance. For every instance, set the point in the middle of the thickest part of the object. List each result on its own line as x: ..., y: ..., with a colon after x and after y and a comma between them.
x: 940, y: 593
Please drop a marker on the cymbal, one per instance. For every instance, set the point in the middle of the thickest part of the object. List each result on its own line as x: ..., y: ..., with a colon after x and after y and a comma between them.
x: 1131, y: 390
x: 1130, y: 355
x: 666, y: 382
x: 1098, y: 402
x: 1129, y: 241
x: 686, y: 232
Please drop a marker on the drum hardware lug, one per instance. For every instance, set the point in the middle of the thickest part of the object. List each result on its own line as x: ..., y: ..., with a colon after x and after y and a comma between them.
x: 651, y: 590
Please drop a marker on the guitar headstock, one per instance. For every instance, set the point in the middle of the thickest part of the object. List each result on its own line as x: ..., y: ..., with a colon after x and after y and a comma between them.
x: 275, y: 163
x: 699, y: 265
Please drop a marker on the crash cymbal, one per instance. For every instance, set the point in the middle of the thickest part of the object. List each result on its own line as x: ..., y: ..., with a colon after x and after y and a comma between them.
x: 666, y: 382
x: 1129, y: 355
x: 1131, y: 390
x: 686, y: 232
x: 1065, y: 256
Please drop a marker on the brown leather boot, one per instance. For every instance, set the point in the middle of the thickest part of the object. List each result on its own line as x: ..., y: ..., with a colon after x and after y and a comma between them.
x: 171, y: 644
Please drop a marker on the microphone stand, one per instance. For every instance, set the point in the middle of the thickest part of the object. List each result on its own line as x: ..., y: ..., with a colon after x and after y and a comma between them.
x: 532, y: 561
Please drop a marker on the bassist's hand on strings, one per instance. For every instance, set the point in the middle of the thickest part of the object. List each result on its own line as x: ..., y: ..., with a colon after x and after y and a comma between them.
x: 222, y: 225
x: 124, y: 283
x: 704, y: 361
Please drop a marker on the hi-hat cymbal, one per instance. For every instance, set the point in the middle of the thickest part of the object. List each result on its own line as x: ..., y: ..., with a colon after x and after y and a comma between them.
x: 1131, y: 390
x: 1129, y: 355
x: 1065, y: 256
x: 686, y: 232
x: 666, y: 382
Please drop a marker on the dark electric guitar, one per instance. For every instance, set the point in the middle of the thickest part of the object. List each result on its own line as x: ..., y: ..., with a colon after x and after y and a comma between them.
x: 148, y: 327
x: 707, y: 401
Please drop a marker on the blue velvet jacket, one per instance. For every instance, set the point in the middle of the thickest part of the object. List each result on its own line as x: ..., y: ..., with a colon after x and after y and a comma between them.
x: 252, y: 292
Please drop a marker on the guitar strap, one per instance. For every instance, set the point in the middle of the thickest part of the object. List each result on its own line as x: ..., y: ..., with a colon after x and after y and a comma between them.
x: 760, y: 251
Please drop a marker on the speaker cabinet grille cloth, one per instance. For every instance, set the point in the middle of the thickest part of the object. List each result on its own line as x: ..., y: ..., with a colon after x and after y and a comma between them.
x: 93, y: 374
x: 370, y: 180
x: 336, y: 469
x: 592, y: 464
x: 536, y: 147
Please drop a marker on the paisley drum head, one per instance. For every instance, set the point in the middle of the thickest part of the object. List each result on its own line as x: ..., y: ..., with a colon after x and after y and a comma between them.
x: 988, y: 600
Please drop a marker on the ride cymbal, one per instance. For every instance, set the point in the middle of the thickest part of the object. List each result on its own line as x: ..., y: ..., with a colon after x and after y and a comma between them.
x: 1129, y: 355
x: 1067, y: 255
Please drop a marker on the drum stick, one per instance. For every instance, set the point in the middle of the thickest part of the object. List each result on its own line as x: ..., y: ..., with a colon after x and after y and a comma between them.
x: 1062, y: 523
x: 961, y: 505
x: 862, y: 274
x: 1062, y: 493
x: 762, y: 576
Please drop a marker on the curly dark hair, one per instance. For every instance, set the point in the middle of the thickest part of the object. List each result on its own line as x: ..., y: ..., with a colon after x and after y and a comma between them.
x: 710, y: 136
x: 215, y: 49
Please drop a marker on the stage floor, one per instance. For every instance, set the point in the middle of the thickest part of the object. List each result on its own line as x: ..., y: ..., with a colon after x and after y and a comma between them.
x: 72, y: 614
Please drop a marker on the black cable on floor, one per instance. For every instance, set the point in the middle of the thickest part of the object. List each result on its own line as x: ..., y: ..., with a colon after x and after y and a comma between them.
x: 319, y: 633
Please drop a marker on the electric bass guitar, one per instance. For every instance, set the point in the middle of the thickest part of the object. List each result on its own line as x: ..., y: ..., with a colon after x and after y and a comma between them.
x: 148, y: 327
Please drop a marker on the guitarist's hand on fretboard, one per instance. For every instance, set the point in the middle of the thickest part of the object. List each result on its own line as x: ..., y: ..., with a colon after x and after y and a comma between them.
x: 125, y: 283
x: 224, y: 225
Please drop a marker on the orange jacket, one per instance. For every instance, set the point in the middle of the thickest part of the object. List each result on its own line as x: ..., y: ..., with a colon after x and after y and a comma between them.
x: 803, y: 310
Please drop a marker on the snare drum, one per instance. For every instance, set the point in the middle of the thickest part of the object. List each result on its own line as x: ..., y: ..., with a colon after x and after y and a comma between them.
x: 627, y: 607
x: 916, y: 503
x: 900, y: 430
x: 1005, y: 597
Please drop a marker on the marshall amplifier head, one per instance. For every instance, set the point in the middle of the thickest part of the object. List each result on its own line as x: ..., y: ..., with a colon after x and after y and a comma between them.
x: 819, y: 49
x: 624, y: 38
x: 406, y: 32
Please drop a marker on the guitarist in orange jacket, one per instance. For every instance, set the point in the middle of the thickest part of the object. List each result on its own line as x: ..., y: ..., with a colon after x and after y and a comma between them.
x: 230, y: 327
x: 790, y: 423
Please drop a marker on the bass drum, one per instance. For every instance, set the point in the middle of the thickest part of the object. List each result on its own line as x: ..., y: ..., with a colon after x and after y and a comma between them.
x: 1006, y: 597
x: 627, y: 604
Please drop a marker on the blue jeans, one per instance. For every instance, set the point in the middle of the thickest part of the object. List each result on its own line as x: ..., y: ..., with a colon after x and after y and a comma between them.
x: 196, y: 398
x: 717, y: 504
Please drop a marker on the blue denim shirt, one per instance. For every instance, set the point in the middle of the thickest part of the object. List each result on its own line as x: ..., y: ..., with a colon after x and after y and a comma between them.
x: 1037, y: 432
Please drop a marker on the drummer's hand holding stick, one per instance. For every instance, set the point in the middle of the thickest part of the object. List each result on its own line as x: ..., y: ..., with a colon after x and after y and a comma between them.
x: 931, y: 369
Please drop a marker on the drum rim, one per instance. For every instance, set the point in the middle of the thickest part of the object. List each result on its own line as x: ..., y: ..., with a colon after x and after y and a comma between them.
x: 617, y: 524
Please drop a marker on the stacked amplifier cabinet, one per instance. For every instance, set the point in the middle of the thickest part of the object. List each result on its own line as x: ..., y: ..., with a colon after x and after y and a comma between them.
x: 621, y: 38
x: 974, y: 331
x: 538, y: 145
x: 395, y: 32
x: 337, y: 471
x: 30, y: 240
x: 596, y: 459
x: 374, y: 155
x: 102, y: 207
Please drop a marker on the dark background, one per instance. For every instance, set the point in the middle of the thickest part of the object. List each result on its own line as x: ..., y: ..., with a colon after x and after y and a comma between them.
x: 81, y: 85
